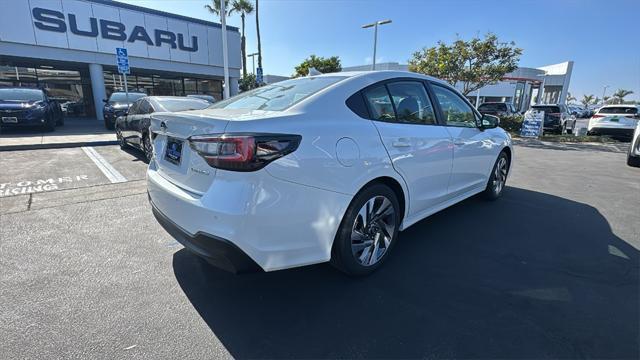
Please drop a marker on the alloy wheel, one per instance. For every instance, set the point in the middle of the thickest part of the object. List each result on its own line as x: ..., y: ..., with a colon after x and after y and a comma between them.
x: 500, y: 175
x: 373, y: 230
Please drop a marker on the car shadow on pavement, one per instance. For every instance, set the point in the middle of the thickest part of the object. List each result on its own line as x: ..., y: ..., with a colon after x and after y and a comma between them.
x: 529, y: 276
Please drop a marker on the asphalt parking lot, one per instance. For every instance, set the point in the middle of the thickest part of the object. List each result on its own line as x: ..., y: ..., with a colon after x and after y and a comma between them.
x: 548, y: 271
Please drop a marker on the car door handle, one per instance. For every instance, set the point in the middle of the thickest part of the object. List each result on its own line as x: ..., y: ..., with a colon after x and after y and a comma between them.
x: 401, y: 144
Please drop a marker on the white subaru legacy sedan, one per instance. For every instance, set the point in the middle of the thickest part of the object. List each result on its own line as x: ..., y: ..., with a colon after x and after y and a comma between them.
x: 321, y: 168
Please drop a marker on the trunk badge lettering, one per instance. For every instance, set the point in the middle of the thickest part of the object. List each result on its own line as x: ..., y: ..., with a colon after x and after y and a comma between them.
x: 203, y: 172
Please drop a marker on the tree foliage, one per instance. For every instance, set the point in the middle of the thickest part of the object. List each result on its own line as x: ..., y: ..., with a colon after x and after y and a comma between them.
x: 588, y: 100
x: 242, y: 7
x: 618, y: 96
x: 248, y: 82
x: 473, y: 64
x: 324, y: 65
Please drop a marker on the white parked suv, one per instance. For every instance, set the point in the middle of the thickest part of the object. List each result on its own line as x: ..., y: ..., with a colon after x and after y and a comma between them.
x: 321, y: 168
x: 614, y: 120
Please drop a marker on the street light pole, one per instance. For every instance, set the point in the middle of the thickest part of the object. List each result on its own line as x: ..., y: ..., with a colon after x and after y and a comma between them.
x: 604, y: 91
x: 225, y: 60
x: 375, y: 38
x: 253, y: 61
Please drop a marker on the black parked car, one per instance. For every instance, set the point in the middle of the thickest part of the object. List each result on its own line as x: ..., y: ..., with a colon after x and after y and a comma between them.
x: 499, y: 109
x: 557, y: 118
x: 133, y: 129
x: 29, y: 107
x: 116, y: 106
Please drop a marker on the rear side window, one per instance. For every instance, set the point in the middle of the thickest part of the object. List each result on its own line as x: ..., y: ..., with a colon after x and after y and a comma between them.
x: 379, y: 103
x: 411, y: 102
x: 356, y: 103
x: 618, y: 110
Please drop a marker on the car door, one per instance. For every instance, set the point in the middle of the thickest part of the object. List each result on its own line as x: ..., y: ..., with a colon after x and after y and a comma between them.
x: 133, y: 122
x: 474, y: 150
x: 419, y: 148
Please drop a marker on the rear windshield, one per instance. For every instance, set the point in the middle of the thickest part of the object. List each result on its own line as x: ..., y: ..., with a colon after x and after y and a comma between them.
x: 173, y: 105
x: 493, y: 107
x: 618, y: 110
x: 122, y: 97
x: 279, y: 96
x: 548, y: 109
x: 21, y: 94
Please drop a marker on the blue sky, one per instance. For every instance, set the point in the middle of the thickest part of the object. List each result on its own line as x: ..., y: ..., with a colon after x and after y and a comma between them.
x: 601, y: 36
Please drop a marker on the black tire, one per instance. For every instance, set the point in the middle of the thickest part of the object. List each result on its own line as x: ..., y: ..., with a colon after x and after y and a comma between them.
x: 147, y: 149
x: 342, y: 252
x: 108, y: 124
x: 493, y: 189
x: 633, y: 161
x: 49, y: 124
x: 60, y: 121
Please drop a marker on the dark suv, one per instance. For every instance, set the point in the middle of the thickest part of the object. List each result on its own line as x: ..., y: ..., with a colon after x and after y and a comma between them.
x: 557, y: 118
x: 499, y: 109
x: 116, y: 106
x: 29, y: 107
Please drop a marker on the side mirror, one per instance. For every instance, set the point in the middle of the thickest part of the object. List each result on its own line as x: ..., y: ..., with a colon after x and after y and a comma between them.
x: 489, y: 121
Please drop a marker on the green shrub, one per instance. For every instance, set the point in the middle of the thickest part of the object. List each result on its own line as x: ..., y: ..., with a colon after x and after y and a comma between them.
x: 512, y: 123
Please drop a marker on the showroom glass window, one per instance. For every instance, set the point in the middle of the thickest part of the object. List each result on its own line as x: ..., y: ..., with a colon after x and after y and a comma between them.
x: 411, y: 103
x: 456, y: 111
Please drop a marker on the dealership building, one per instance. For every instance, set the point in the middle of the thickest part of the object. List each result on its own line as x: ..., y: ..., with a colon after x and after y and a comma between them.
x: 68, y: 47
x: 523, y: 87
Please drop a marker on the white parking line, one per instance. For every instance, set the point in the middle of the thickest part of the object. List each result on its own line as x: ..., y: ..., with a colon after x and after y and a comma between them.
x: 109, y: 171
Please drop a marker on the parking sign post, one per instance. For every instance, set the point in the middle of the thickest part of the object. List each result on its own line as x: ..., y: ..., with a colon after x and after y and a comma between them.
x: 122, y: 60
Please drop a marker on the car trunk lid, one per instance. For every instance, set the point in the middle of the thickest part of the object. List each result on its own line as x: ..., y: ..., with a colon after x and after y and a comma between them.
x: 176, y: 161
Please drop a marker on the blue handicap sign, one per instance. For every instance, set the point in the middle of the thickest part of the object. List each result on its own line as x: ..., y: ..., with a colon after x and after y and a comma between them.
x: 259, y: 75
x: 121, y: 52
x: 122, y: 60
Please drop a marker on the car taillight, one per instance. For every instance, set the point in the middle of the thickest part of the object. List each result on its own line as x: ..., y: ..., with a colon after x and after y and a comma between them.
x: 595, y: 116
x: 243, y: 152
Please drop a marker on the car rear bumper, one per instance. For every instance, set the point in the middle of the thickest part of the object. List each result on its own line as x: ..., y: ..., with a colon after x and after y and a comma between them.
x: 217, y: 251
x: 276, y: 223
x: 611, y: 131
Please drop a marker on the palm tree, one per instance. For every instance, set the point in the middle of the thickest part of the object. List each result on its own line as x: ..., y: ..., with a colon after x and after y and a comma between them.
x: 215, y: 9
x: 620, y: 95
x: 258, y: 33
x: 243, y: 7
x: 570, y: 97
x: 587, y: 100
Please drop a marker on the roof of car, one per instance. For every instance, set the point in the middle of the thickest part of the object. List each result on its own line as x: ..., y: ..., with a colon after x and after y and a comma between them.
x: 383, y: 74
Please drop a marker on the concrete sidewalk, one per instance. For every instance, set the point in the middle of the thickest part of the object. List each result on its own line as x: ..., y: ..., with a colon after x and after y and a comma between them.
x: 75, y: 132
